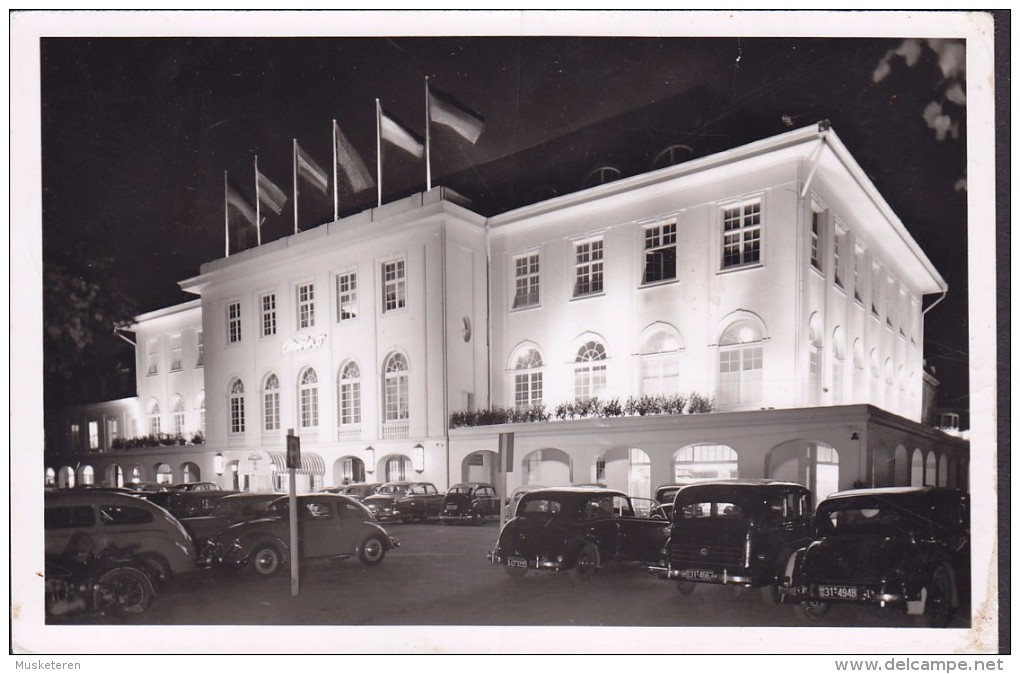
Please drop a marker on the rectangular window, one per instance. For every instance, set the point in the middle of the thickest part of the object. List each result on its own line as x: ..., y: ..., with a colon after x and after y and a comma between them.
x: 527, y: 390
x: 346, y: 296
x: 526, y: 281
x: 75, y: 437
x: 175, y: 352
x: 394, y: 289
x: 237, y: 414
x: 741, y: 235
x: 858, y: 281
x: 306, y: 305
x: 660, y: 253
x: 234, y: 322
x: 588, y: 268
x: 152, y: 355
x: 740, y: 371
x: 816, y: 261
x: 93, y: 435
x: 271, y: 410
x: 589, y: 381
x: 891, y: 295
x: 179, y: 421
x: 876, y: 288
x: 350, y: 403
x: 268, y: 314
x: 199, y: 349
x: 112, y: 431
x: 395, y: 398
x: 837, y: 267
x: 308, y: 401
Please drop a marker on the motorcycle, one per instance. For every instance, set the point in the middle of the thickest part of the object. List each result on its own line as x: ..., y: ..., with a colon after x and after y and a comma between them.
x: 111, y: 582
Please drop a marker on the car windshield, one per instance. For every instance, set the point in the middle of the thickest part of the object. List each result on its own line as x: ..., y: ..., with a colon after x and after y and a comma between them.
x: 856, y: 520
x: 393, y: 489
x: 710, y: 510
x: 459, y: 489
x: 539, y: 506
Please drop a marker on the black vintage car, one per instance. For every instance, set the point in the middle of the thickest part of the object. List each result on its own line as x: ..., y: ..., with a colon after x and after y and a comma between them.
x: 188, y: 503
x: 906, y: 548
x: 578, y: 529
x: 356, y: 490
x: 405, y: 501
x: 473, y: 502
x: 228, y: 511
x: 735, y: 532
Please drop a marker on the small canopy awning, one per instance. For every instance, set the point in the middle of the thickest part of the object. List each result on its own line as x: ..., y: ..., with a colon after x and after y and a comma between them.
x: 311, y: 463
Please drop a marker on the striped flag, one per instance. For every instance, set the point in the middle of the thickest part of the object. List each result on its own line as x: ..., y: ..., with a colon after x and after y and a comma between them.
x: 238, y: 201
x: 446, y: 110
x: 308, y: 169
x: 396, y: 133
x: 269, y: 194
x: 349, y: 161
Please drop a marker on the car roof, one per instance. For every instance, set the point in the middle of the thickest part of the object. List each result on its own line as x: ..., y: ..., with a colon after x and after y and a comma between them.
x: 471, y: 484
x: 575, y: 491
x: 896, y: 493
x: 95, y: 497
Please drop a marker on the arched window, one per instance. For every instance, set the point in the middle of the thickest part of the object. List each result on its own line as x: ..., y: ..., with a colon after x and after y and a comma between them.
x: 528, y: 379
x: 600, y: 175
x: 350, y: 394
x: 740, y: 363
x: 308, y: 398
x: 395, y: 393
x: 590, y: 371
x: 178, y: 416
x: 155, y: 425
x: 674, y: 154
x: 271, y: 403
x: 237, y: 406
x: 660, y: 361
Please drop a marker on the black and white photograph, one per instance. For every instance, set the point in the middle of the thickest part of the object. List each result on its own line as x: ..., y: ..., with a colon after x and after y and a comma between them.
x: 505, y: 332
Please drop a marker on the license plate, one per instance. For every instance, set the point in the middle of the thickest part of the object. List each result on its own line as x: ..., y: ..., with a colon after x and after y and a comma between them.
x: 518, y: 562
x: 451, y: 508
x: 837, y: 592
x: 697, y: 574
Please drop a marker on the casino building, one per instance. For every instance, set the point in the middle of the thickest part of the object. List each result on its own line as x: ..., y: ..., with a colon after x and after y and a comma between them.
x: 757, y: 312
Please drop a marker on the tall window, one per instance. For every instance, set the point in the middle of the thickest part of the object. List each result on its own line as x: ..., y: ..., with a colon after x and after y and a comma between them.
x: 271, y: 404
x: 815, y: 360
x: 93, y: 435
x: 152, y: 357
x: 740, y: 364
x: 528, y: 380
x: 590, y: 371
x: 741, y: 234
x: 876, y: 287
x: 588, y: 267
x: 112, y: 431
x: 394, y: 285
x: 237, y: 406
x: 395, y: 403
x: 526, y: 281
x: 660, y: 362
x: 347, y: 296
x: 75, y: 437
x: 199, y: 349
x: 350, y: 394
x: 234, y: 322
x: 268, y: 314
x: 175, y: 352
x: 155, y: 425
x: 306, y: 305
x: 891, y: 295
x: 308, y: 398
x: 858, y: 281
x: 816, y: 226
x: 201, y: 413
x: 838, y: 365
x: 178, y: 416
x: 837, y: 262
x: 660, y: 252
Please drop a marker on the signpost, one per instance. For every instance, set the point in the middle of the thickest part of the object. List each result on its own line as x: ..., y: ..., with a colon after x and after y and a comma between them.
x: 506, y: 459
x: 293, y: 461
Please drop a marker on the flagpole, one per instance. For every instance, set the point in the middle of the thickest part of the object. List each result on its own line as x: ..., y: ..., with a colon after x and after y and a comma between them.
x: 336, y: 185
x: 226, y: 218
x: 378, y: 150
x: 258, y: 205
x: 428, y: 125
x: 295, y: 187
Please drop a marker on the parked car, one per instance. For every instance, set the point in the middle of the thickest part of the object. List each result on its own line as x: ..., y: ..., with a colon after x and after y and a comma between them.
x: 577, y: 530
x: 473, y: 502
x: 196, y: 486
x: 143, y: 488
x: 666, y: 493
x: 905, y: 548
x: 405, y: 501
x: 515, y: 497
x: 330, y: 526
x: 735, y: 532
x: 105, y: 520
x: 357, y: 490
x: 229, y: 510
x: 183, y: 504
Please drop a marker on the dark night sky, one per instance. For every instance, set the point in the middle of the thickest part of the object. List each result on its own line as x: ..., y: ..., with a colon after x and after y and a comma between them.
x: 136, y: 133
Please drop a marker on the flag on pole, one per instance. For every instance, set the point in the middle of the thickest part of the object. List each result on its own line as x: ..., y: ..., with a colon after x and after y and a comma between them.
x: 348, y: 159
x: 308, y: 169
x: 396, y: 133
x: 446, y: 110
x: 269, y: 194
x: 238, y: 201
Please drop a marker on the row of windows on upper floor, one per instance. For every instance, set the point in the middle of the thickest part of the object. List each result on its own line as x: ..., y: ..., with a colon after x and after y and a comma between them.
x: 152, y: 353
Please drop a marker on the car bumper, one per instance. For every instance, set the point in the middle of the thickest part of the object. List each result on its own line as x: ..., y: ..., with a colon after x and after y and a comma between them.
x: 862, y: 595
x: 456, y: 517
x: 535, y: 562
x: 712, y: 577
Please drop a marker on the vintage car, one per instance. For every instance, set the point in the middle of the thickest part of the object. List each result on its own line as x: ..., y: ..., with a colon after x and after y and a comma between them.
x: 330, y: 526
x: 510, y: 505
x: 196, y: 486
x: 358, y: 490
x: 577, y: 530
x: 906, y: 548
x: 735, y: 532
x: 405, y: 501
x: 473, y: 502
x: 111, y: 520
x: 666, y: 493
x: 182, y: 503
x: 228, y: 511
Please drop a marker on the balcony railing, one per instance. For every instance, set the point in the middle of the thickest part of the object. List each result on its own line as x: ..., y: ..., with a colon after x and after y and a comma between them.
x: 393, y: 430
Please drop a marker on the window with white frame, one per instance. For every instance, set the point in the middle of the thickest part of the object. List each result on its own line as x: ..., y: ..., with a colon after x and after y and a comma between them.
x: 838, y: 364
x: 233, y: 322
x: 271, y: 404
x: 75, y: 437
x: 858, y: 280
x: 742, y: 232
x: 741, y: 359
x: 93, y: 435
x: 394, y: 285
x: 346, y: 296
x: 236, y: 407
x: 112, y: 431
x: 398, y: 468
x: 152, y: 357
x: 155, y: 424
x: 838, y: 243
x: 590, y: 371
x: 526, y: 281
x: 201, y: 414
x: 660, y: 362
x: 178, y: 416
x: 175, y: 352
x: 199, y: 349
x: 588, y: 267
x: 308, y: 398
x: 306, y: 305
x: 528, y: 380
x: 350, y: 394
x: 816, y: 239
x: 395, y: 388
x: 660, y: 252
x: 268, y: 308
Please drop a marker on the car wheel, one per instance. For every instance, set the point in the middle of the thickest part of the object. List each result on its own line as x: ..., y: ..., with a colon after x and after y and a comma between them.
x: 685, y: 587
x: 515, y: 572
x: 372, y: 551
x: 770, y: 595
x: 123, y: 590
x: 266, y: 561
x: 938, y: 606
x: 812, y: 611
x: 586, y: 566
